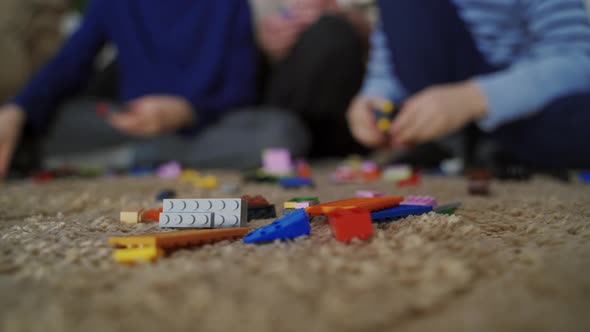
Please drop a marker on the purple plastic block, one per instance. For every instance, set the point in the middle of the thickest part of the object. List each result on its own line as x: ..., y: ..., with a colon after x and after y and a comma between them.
x: 369, y: 166
x: 369, y: 193
x: 420, y: 200
x: 170, y: 170
x: 277, y: 161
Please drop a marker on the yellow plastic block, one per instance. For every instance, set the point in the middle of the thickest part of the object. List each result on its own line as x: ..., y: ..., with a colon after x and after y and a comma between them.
x: 189, y: 175
x: 179, y: 239
x: 131, y: 216
x: 206, y: 182
x: 383, y: 125
x: 387, y: 107
x: 137, y: 255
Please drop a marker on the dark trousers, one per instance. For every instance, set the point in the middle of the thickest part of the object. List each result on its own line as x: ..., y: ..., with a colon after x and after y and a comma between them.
x: 430, y: 44
x: 318, y: 80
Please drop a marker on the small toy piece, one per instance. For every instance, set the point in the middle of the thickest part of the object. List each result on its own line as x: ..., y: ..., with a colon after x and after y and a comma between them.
x: 131, y: 216
x: 204, y: 213
x: 303, y: 169
x: 255, y: 201
x: 351, y: 223
x: 413, y: 180
x: 420, y: 200
x: 141, y: 170
x: 43, y: 176
x: 370, y: 170
x: 479, y: 182
x: 289, y: 227
x: 301, y: 202
x: 259, y: 176
x: 262, y: 212
x: 369, y: 193
x: 206, y: 182
x: 397, y: 173
x: 384, y: 116
x: 171, y: 170
x: 165, y: 194
x: 178, y: 239
x: 152, y: 215
x: 371, y: 204
x: 137, y: 255
x: 189, y: 175
x: 585, y: 177
x: 277, y: 161
x: 448, y: 208
x: 295, y: 182
x: 400, y: 211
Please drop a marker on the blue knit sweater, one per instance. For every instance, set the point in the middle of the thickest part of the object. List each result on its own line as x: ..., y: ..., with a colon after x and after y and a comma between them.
x: 202, y: 50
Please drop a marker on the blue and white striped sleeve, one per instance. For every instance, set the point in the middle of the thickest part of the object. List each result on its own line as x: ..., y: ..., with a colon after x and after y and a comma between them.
x: 379, y: 80
x: 558, y: 64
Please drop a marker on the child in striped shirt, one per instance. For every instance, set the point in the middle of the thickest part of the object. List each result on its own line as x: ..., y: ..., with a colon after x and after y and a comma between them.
x: 519, y: 69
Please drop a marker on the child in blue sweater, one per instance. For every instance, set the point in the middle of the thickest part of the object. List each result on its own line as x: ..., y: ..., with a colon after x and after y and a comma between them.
x: 183, y: 66
x: 518, y: 69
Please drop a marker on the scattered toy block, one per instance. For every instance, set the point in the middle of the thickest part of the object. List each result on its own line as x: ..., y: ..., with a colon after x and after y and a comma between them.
x: 397, y: 173
x: 369, y: 193
x: 262, y: 212
x: 448, y: 208
x: 189, y: 175
x: 255, y: 201
x: 171, y: 170
x: 370, y: 170
x: 132, y: 216
x: 413, y: 180
x: 225, y: 212
x: 420, y: 200
x: 400, y: 211
x: 152, y: 215
x: 141, y: 171
x: 137, y: 255
x: 277, y: 161
x: 165, y: 194
x: 43, y: 176
x: 349, y: 224
x: 371, y: 204
x: 178, y: 239
x: 295, y: 182
x: 206, y: 182
x: 303, y: 169
x: 478, y: 187
x: 585, y: 177
x: 291, y: 226
x: 384, y: 115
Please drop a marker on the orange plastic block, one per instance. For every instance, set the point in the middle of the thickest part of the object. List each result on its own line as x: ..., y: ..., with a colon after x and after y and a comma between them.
x: 179, y: 239
x: 367, y: 203
x: 151, y: 215
x: 349, y: 224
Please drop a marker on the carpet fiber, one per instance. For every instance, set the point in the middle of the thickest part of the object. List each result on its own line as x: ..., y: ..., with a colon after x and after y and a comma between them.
x: 516, y: 261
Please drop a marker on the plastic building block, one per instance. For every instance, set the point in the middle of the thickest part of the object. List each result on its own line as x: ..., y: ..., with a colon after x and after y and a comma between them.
x: 343, y: 174
x: 43, y: 176
x: 303, y: 169
x: 370, y: 170
x: 397, y: 173
x: 141, y: 170
x: 351, y: 223
x: 400, y: 211
x: 224, y: 212
x: 289, y: 227
x: 131, y: 216
x: 300, y: 202
x: 371, y: 204
x: 384, y: 115
x: 259, y: 176
x: 206, y: 182
x: 420, y: 200
x: 152, y: 215
x: 171, y: 170
x: 585, y: 177
x: 305, y: 199
x: 413, y: 180
x: 189, y: 175
x: 478, y: 187
x: 448, y: 208
x: 165, y: 194
x: 369, y: 193
x: 178, y: 239
x: 295, y: 182
x: 255, y: 201
x: 277, y: 161
x: 137, y: 255
x: 262, y: 212
x: 229, y: 188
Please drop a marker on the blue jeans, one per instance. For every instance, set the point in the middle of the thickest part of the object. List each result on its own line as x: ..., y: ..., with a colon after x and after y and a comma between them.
x: 430, y: 44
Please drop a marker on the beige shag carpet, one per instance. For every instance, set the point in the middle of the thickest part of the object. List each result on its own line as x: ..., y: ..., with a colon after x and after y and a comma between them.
x: 516, y: 261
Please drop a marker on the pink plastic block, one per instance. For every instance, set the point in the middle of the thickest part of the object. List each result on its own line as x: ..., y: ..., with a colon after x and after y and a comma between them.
x: 369, y: 166
x: 170, y: 170
x: 277, y: 161
x: 420, y: 200
x: 369, y: 193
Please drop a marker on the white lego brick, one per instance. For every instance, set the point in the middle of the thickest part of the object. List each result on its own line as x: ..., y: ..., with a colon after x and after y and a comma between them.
x: 226, y: 212
x: 187, y: 220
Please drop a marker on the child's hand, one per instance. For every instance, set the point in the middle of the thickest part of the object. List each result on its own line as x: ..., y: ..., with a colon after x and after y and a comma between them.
x: 437, y: 111
x: 153, y: 115
x: 12, y: 120
x: 362, y: 122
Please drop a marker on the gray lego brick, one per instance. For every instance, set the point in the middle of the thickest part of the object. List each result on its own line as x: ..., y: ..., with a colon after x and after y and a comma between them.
x: 186, y: 220
x: 226, y: 212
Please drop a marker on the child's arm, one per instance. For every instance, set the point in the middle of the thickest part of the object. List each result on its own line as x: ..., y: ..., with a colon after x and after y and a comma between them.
x: 66, y: 72
x: 559, y: 64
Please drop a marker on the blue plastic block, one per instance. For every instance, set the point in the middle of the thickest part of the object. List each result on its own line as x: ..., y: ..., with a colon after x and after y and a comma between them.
x: 289, y: 227
x: 165, y: 194
x: 585, y: 176
x: 295, y: 182
x: 141, y: 170
x: 399, y: 211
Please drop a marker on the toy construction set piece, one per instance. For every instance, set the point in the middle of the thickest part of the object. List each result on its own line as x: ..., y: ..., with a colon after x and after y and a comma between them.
x: 384, y: 116
x: 294, y: 225
x: 349, y: 224
x: 259, y: 208
x: 479, y: 182
x: 204, y: 213
x: 370, y: 204
x: 448, y: 208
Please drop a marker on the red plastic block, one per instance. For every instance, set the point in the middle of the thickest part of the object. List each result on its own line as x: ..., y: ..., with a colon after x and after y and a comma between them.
x: 413, y: 180
x: 151, y: 215
x: 256, y: 201
x: 351, y: 223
